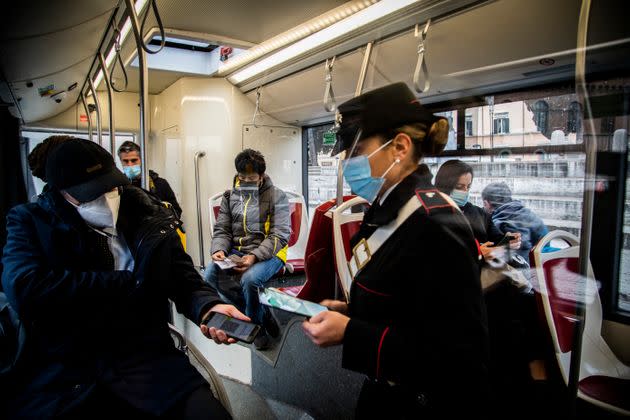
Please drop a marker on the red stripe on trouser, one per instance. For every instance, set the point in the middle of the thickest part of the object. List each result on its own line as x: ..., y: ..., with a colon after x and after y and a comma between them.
x: 378, y: 356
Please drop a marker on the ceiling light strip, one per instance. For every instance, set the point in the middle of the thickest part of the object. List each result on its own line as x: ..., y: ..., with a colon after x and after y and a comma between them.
x: 293, y: 35
x: 360, y: 19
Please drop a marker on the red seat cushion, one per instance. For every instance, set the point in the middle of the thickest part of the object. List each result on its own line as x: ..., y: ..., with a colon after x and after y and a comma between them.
x: 216, y: 212
x: 296, y: 222
x: 562, y: 283
x: 298, y: 265
x: 613, y: 391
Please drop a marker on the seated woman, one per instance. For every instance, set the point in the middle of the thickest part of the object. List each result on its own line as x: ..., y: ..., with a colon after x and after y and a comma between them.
x: 455, y: 179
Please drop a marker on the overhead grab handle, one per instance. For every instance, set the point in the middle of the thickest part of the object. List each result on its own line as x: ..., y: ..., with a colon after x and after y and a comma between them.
x: 117, y: 58
x: 421, y: 65
x: 257, y: 107
x: 138, y: 30
x: 329, y: 96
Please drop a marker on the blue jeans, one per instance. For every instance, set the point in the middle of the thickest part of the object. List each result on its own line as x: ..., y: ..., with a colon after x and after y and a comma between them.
x: 256, y: 276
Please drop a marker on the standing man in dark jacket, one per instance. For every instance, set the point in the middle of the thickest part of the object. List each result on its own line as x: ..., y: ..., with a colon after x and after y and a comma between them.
x: 129, y: 155
x: 89, y: 268
x: 254, y: 224
x: 414, y: 323
x: 512, y: 216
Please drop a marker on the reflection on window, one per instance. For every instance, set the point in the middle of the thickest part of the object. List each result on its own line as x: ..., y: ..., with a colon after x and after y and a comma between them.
x: 574, y: 118
x: 451, y: 116
x: 501, y: 123
x: 541, y: 116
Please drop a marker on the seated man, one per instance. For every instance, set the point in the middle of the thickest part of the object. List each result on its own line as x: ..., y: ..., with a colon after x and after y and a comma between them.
x: 89, y: 268
x: 253, y: 223
x: 512, y: 216
x: 129, y: 155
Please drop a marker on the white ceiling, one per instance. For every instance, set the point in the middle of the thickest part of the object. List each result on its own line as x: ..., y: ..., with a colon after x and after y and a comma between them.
x: 492, y: 47
x: 53, y: 42
x: 496, y: 45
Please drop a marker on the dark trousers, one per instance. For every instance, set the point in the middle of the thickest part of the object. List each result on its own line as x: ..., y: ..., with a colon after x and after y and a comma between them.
x: 102, y: 404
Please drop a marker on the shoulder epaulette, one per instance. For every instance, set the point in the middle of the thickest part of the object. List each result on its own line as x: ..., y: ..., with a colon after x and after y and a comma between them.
x: 432, y: 200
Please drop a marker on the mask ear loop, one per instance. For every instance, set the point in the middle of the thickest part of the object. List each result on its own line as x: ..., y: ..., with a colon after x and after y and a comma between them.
x: 354, y: 146
x: 390, y: 167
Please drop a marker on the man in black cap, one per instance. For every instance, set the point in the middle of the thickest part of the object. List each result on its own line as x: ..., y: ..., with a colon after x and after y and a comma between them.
x: 415, y: 323
x: 89, y: 268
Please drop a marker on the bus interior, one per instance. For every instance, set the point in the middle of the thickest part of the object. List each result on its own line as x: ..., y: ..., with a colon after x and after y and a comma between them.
x: 536, y: 93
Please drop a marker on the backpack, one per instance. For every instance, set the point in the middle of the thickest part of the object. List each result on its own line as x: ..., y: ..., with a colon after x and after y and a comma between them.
x: 12, y: 338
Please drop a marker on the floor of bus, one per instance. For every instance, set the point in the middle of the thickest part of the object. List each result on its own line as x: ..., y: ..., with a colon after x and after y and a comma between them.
x: 292, y: 379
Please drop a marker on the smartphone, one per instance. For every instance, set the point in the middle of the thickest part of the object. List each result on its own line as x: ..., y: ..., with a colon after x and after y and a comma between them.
x: 235, y: 328
x: 277, y: 299
x: 506, y: 240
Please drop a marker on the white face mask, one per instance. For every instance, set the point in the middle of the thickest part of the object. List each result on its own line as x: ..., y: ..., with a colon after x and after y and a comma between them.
x: 101, y: 212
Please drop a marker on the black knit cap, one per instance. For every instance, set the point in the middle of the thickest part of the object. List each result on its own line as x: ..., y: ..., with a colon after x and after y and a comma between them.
x: 83, y: 169
x: 380, y: 110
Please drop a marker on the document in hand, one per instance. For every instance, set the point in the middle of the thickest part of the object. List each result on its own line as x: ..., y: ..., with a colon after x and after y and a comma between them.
x: 277, y: 299
x: 225, y: 264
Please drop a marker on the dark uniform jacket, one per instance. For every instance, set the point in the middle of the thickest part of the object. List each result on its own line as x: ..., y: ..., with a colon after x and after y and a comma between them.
x: 88, y: 326
x: 161, y: 189
x: 417, y: 319
x: 483, y: 227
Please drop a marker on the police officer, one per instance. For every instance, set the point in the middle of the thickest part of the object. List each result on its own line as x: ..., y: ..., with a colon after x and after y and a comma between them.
x: 415, y: 323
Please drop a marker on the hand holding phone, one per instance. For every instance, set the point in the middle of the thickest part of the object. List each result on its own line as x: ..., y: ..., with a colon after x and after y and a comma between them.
x: 234, y: 328
x: 505, y: 241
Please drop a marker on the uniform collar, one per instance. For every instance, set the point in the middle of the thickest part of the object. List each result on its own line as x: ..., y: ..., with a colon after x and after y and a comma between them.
x: 383, y: 214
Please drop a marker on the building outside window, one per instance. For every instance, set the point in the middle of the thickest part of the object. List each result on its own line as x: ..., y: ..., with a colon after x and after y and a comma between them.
x: 501, y: 123
x: 469, y: 125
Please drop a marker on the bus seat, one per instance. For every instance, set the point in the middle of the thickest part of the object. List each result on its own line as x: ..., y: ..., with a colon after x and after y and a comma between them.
x: 215, y: 205
x: 319, y: 260
x: 202, y: 364
x: 299, y: 233
x: 345, y: 225
x: 604, y: 380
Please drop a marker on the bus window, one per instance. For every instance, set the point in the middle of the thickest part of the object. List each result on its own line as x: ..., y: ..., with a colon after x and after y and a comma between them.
x: 551, y: 120
x: 322, y: 167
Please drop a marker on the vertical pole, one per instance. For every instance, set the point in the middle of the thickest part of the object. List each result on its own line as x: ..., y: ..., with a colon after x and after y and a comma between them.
x: 89, y: 118
x: 144, y: 91
x: 110, y: 97
x: 202, y: 261
x: 99, y: 128
x: 590, y: 171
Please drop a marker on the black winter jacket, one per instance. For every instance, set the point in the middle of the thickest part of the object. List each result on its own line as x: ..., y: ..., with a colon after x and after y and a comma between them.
x: 87, y: 326
x: 417, y: 318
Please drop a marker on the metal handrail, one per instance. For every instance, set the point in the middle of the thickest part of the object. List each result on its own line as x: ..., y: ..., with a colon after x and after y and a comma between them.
x: 590, y: 171
x: 202, y: 262
x: 97, y: 104
x: 89, y: 118
x: 144, y: 91
x: 112, y: 131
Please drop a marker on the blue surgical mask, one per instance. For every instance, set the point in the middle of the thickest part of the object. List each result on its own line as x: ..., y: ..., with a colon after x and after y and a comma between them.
x: 358, y: 174
x: 460, y: 197
x: 132, y: 172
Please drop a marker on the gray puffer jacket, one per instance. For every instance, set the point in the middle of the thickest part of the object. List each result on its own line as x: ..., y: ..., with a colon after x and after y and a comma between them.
x: 253, y: 222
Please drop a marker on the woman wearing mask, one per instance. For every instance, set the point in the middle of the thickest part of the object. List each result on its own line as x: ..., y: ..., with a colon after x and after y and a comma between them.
x: 455, y: 179
x: 414, y: 324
